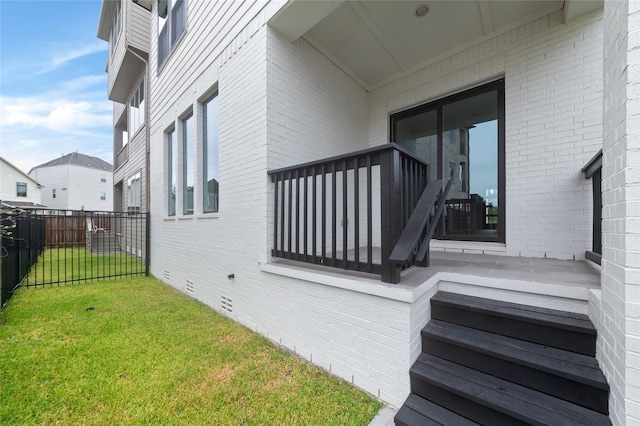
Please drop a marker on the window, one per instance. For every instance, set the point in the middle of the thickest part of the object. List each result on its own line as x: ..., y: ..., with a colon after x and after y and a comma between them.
x: 133, y: 193
x: 462, y: 138
x: 171, y: 24
x: 136, y: 109
x: 172, y: 172
x: 53, y: 193
x: 103, y: 178
x: 188, y: 176
x: 115, y: 29
x: 210, y: 169
x: 21, y: 189
x: 103, y: 196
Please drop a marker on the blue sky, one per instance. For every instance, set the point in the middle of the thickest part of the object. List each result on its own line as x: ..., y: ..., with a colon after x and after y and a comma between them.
x: 53, y: 87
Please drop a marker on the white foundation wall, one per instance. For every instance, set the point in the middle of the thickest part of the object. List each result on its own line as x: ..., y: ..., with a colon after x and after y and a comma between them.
x: 553, y: 119
x: 618, y: 319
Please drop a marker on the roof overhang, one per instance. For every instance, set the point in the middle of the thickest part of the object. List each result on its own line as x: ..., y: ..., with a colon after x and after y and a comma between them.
x: 377, y: 41
x: 107, y: 11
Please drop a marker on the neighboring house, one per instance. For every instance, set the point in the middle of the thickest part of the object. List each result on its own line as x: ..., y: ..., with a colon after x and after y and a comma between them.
x: 76, y: 181
x: 17, y: 189
x: 246, y: 101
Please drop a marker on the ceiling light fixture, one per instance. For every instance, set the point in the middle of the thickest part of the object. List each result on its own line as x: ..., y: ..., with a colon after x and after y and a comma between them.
x: 421, y: 10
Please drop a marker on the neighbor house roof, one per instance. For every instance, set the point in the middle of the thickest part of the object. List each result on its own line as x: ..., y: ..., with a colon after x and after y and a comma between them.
x: 75, y: 158
x: 21, y: 172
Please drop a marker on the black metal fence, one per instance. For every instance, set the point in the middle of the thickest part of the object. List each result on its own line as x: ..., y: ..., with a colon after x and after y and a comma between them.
x: 22, y: 243
x: 53, y: 247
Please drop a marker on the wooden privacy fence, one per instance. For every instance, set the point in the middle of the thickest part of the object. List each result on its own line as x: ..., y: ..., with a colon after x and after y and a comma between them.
x: 65, y: 231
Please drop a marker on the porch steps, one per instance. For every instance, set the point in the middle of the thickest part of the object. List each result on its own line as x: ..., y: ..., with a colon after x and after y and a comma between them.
x: 498, y: 363
x: 104, y: 243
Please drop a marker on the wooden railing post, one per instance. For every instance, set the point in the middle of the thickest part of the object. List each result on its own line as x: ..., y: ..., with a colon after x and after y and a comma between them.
x: 390, y: 214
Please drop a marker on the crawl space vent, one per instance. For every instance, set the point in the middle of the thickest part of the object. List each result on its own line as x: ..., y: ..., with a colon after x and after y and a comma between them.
x: 166, y: 276
x: 226, y: 304
x: 189, y: 287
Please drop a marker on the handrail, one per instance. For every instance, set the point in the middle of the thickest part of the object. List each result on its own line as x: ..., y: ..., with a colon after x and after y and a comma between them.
x: 367, y: 151
x: 593, y: 170
x: 411, y: 235
x: 424, y: 249
x: 593, y: 165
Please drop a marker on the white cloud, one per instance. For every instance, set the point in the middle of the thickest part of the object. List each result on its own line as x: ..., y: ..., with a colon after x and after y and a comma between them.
x: 67, y: 54
x: 62, y: 115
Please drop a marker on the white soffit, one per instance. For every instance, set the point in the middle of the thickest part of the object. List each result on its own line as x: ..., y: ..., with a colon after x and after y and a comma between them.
x: 375, y: 41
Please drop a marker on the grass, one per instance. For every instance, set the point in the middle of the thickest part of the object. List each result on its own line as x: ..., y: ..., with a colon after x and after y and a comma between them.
x: 77, y: 263
x: 136, y: 351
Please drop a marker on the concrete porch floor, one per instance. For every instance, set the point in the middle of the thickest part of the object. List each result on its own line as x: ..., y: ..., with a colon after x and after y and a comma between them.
x: 551, y: 283
x: 581, y: 273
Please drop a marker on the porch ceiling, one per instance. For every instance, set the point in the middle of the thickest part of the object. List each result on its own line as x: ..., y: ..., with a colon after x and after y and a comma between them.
x: 374, y: 41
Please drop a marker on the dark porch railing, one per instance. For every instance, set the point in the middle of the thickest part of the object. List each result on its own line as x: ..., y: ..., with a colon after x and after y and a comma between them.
x: 348, y: 211
x: 593, y: 170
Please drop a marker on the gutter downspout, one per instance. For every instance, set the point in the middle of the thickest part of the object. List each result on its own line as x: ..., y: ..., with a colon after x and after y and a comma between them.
x: 147, y: 130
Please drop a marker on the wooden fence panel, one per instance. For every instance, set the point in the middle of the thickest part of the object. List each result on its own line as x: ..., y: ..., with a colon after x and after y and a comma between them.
x: 65, y: 231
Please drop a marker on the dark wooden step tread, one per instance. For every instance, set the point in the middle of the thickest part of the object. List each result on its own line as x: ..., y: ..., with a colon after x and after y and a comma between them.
x: 418, y: 411
x: 559, y: 319
x: 570, y: 365
x: 521, y: 403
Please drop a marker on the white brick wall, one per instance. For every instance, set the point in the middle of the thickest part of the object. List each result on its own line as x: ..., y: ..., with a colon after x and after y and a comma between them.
x: 553, y: 90
x: 617, y: 322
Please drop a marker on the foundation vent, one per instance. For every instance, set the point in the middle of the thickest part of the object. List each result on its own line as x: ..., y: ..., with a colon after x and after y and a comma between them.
x: 226, y: 304
x: 189, y: 287
x: 167, y: 277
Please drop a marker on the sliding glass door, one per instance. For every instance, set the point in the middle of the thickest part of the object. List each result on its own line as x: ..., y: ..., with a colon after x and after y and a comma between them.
x: 461, y: 137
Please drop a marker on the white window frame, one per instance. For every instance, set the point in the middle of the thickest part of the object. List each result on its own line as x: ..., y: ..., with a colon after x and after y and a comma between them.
x: 134, y: 194
x: 136, y: 110
x: 169, y: 13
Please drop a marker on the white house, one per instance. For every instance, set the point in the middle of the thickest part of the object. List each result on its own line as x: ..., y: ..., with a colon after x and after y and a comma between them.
x: 271, y: 175
x: 17, y: 189
x: 76, y: 181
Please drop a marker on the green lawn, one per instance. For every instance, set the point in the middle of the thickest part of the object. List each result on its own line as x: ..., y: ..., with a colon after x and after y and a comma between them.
x: 134, y: 351
x: 77, y: 263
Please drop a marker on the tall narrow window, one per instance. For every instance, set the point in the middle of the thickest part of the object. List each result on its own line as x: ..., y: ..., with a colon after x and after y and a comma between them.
x: 53, y: 193
x: 172, y: 173
x: 21, y: 189
x: 133, y: 193
x: 462, y: 138
x: 103, y: 196
x: 136, y: 109
x: 103, y: 177
x: 211, y: 173
x: 171, y: 24
x: 188, y: 175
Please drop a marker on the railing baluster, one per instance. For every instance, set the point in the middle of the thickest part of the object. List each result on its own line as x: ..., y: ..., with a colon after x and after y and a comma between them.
x: 289, y: 214
x: 314, y: 222
x: 345, y: 216
x: 276, y: 179
x: 324, y: 215
x: 333, y: 214
x: 356, y: 212
x: 369, y: 217
x: 297, y: 215
x: 306, y: 213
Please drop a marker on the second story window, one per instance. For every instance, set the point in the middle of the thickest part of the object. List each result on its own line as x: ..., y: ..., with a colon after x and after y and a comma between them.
x: 171, y: 24
x: 53, y: 193
x: 103, y: 196
x: 103, y: 178
x: 21, y: 189
x: 136, y: 109
x: 115, y: 30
